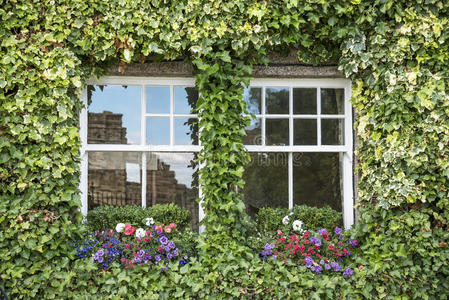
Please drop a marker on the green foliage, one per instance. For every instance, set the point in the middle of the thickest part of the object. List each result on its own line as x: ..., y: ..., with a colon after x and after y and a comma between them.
x: 395, y: 52
x: 269, y: 219
x: 107, y: 217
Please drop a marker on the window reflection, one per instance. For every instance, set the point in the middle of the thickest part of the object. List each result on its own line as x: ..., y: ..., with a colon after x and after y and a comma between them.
x: 114, y: 178
x: 185, y: 99
x: 276, y: 100
x: 114, y: 115
x: 266, y: 181
x: 186, y: 131
x: 317, y: 179
x: 173, y: 178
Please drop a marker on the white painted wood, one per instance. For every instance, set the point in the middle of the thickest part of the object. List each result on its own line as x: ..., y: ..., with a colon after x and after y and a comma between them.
x: 84, y: 155
x: 144, y: 179
x: 290, y: 180
x: 318, y: 121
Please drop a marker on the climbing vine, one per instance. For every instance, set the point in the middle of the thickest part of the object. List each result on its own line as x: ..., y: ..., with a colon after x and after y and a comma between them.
x: 395, y: 52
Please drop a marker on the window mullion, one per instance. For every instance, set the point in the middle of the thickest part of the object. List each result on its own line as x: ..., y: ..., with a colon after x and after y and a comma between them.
x: 172, y: 133
x: 144, y: 179
x: 263, y: 116
x: 318, y: 121
x: 290, y: 180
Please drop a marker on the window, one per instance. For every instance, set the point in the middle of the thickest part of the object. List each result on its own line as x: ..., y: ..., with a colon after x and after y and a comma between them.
x: 140, y: 142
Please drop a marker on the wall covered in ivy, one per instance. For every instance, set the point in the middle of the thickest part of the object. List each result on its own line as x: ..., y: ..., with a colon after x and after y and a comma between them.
x: 395, y: 52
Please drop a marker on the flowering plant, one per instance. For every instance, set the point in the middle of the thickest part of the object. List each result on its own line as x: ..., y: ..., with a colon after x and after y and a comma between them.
x: 320, y: 252
x: 131, y: 247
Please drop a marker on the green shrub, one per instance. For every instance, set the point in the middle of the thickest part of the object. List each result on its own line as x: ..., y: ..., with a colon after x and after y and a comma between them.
x: 107, y: 217
x: 269, y: 219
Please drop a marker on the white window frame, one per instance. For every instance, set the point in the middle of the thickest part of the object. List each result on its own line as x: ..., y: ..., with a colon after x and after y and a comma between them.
x: 346, y: 149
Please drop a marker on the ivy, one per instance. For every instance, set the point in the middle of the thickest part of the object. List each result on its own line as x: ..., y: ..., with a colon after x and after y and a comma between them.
x: 395, y: 52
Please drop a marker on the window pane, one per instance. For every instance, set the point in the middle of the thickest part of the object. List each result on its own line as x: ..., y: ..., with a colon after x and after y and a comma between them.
x: 332, y: 101
x: 276, y: 132
x: 158, y: 131
x: 114, y: 178
x: 186, y: 131
x: 305, y: 132
x: 253, y: 98
x: 276, y: 100
x: 332, y: 131
x: 266, y: 181
x: 253, y: 133
x: 173, y: 178
x: 185, y: 99
x: 114, y: 115
x: 304, y: 101
x: 317, y: 180
x: 158, y: 99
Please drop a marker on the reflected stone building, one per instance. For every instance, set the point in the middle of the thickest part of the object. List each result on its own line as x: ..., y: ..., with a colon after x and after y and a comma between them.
x: 115, y: 178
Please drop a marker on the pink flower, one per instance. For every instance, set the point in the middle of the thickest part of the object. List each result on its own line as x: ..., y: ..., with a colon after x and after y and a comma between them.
x: 129, y: 230
x: 279, y: 232
x: 167, y: 229
x: 172, y: 225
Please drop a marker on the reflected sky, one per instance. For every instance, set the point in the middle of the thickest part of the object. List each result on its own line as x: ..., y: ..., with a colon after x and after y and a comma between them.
x: 178, y: 162
x: 120, y: 100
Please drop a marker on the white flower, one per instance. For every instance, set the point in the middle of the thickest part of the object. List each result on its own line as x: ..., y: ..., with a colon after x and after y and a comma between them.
x: 297, y: 224
x: 140, y: 233
x: 285, y: 220
x: 149, y: 221
x: 120, y: 227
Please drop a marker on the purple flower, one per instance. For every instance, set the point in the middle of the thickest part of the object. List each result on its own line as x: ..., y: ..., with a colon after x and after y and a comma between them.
x: 322, y: 262
x: 318, y: 269
x: 338, y: 230
x: 171, y: 245
x: 169, y: 255
x: 322, y: 231
x: 100, y: 252
x: 269, y: 246
x: 274, y: 257
x: 158, y: 257
x: 340, y: 237
x: 163, y: 240
x: 315, y: 241
x: 167, y: 248
x: 100, y: 259
x: 335, y: 266
x: 327, y: 266
x: 141, y: 253
x: 309, y: 261
x: 175, y: 252
x: 348, y: 272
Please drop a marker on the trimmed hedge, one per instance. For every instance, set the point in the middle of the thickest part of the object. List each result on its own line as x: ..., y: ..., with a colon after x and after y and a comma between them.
x: 107, y: 217
x: 269, y: 219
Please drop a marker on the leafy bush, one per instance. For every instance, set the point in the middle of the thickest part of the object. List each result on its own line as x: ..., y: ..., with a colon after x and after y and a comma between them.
x: 269, y: 219
x: 107, y: 217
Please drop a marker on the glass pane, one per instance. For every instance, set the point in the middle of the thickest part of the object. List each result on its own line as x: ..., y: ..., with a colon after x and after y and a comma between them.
x: 304, y: 101
x: 114, y: 178
x: 186, y: 131
x: 332, y: 101
x: 276, y: 100
x: 253, y: 133
x: 317, y: 180
x: 158, y: 99
x: 332, y: 131
x: 305, y: 132
x: 158, y: 131
x: 185, y: 99
x: 253, y: 98
x: 113, y: 114
x: 173, y: 178
x: 266, y: 181
x: 276, y: 132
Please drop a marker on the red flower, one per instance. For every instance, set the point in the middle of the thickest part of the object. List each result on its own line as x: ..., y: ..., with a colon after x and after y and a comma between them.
x: 110, y: 245
x: 306, y: 234
x: 160, y: 250
x: 129, y: 230
x: 331, y: 247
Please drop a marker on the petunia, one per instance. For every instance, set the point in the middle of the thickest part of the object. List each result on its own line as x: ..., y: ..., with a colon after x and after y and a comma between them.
x: 285, y: 220
x: 297, y: 225
x: 129, y: 230
x: 348, y: 272
x: 120, y: 227
x: 338, y: 230
x: 149, y: 221
x: 140, y: 233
